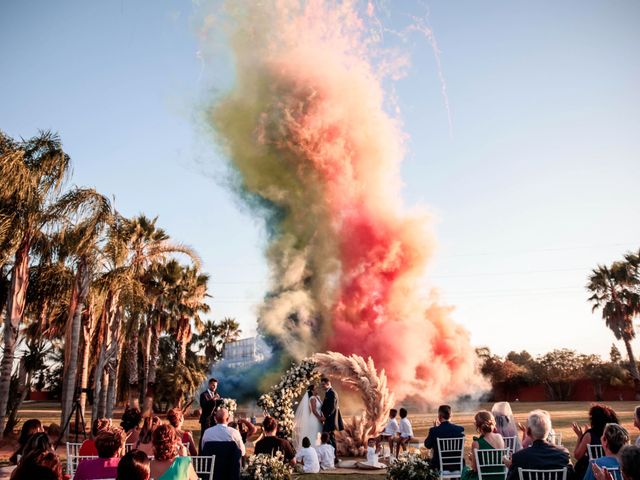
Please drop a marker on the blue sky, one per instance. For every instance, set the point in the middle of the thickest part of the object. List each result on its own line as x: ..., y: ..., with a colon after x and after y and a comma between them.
x: 537, y: 184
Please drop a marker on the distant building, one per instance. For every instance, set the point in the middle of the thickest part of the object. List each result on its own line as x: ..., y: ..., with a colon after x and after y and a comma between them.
x: 245, y: 352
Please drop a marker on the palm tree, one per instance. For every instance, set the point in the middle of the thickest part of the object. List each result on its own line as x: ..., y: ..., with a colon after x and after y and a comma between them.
x: 615, y: 292
x: 79, y: 240
x: 215, y: 335
x: 32, y: 172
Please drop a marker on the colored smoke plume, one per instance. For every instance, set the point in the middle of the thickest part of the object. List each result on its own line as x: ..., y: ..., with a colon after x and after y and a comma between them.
x: 315, y: 153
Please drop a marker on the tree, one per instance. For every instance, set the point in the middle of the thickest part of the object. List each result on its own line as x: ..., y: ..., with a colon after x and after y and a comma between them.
x: 615, y: 291
x: 558, y: 370
x: 32, y: 172
x: 614, y: 354
x: 214, y: 336
x: 602, y: 374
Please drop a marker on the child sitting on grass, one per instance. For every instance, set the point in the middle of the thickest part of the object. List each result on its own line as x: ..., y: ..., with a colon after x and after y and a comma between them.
x: 326, y: 453
x: 308, y: 457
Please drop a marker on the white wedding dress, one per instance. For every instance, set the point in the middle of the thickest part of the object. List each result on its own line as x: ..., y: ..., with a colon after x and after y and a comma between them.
x: 307, y: 424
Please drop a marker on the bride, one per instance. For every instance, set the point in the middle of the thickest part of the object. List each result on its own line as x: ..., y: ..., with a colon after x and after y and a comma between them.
x: 308, y: 418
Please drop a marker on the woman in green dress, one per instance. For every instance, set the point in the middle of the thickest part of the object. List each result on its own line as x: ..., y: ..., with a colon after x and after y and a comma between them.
x: 167, y: 464
x: 488, y: 440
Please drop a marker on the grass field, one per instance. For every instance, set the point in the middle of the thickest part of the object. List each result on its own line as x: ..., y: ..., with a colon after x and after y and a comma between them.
x: 562, y: 415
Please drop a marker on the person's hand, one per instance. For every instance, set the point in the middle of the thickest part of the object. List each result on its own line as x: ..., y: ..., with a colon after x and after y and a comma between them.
x: 507, y: 460
x: 601, y: 473
x: 522, y: 427
x: 578, y: 430
x: 436, y: 422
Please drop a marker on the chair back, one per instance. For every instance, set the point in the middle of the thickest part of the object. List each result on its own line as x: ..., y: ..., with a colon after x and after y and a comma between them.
x: 532, y: 474
x: 615, y: 472
x: 510, y: 443
x: 73, y: 450
x: 74, y: 460
x: 555, y: 438
x: 489, y: 463
x: 451, y: 452
x: 204, y: 466
x: 595, y: 451
x: 128, y: 447
x: 228, y: 459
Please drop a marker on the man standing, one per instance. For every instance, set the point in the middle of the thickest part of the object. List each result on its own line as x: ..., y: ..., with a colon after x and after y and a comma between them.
x: 330, y: 412
x: 541, y: 454
x: 442, y: 428
x: 209, y: 399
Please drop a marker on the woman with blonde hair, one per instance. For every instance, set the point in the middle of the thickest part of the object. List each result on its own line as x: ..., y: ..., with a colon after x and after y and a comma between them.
x: 506, y: 423
x: 488, y: 440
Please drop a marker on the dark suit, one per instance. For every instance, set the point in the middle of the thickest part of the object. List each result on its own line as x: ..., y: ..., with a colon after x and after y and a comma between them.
x: 446, y: 429
x: 540, y: 455
x: 208, y: 404
x: 332, y: 417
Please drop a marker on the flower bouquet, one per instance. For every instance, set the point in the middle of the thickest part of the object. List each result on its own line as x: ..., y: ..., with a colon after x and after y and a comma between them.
x: 267, y: 467
x: 411, y: 468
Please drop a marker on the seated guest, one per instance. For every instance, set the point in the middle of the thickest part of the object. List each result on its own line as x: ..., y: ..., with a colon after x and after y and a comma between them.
x: 629, y: 465
x: 599, y: 416
x: 38, y: 443
x: 110, y: 445
x: 88, y: 447
x: 488, y: 440
x: 166, y: 464
x: 405, y: 432
x: 308, y: 457
x: 541, y: 455
x: 245, y: 427
x: 40, y: 465
x: 222, y: 432
x: 613, y: 439
x: 390, y: 431
x: 131, y: 419
x: 176, y: 419
x: 506, y: 423
x: 135, y: 465
x: 146, y: 434
x: 442, y: 428
x: 54, y: 432
x: 270, y: 443
x: 29, y: 428
x: 326, y: 453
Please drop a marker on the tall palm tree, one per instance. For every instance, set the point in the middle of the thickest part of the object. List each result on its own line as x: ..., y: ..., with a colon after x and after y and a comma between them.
x: 615, y: 292
x: 32, y: 172
x: 79, y: 238
x: 215, y: 335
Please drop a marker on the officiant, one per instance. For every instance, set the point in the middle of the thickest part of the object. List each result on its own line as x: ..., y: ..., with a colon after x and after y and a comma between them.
x: 210, y: 400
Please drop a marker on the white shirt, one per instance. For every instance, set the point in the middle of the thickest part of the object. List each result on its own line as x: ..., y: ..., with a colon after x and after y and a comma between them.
x: 391, y: 428
x: 223, y: 433
x: 326, y: 456
x: 405, y: 428
x: 372, y: 456
x: 309, y: 458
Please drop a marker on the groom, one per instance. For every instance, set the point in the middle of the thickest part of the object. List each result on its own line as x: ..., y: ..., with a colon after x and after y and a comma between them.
x: 330, y: 412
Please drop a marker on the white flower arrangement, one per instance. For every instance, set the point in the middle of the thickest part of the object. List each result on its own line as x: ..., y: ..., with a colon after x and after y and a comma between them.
x: 411, y: 468
x: 231, y: 405
x: 267, y: 467
x: 279, y: 401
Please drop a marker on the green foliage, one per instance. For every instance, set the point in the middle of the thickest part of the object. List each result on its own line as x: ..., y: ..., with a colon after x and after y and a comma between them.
x: 411, y: 468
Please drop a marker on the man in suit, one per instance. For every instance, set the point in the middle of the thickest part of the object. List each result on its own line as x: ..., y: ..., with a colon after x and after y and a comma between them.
x: 541, y: 455
x: 209, y: 399
x: 442, y: 428
x: 330, y: 412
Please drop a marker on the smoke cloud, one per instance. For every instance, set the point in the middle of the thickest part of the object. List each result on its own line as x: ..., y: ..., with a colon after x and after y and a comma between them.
x: 315, y: 153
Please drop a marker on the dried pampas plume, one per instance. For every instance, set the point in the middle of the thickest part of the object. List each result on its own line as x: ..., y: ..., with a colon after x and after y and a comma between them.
x: 360, y: 375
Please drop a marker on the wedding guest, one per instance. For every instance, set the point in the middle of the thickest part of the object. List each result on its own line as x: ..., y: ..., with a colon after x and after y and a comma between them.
x: 166, y: 464
x: 88, y: 447
x: 131, y: 424
x: 390, y: 431
x: 38, y: 443
x: 599, y: 416
x: 308, y: 457
x: 488, y: 440
x: 110, y: 445
x: 176, y: 419
x: 208, y: 402
x: 54, y: 431
x: 636, y: 422
x: 372, y: 462
x: 506, y: 423
x: 326, y: 453
x: 245, y: 427
x: 442, y: 428
x: 541, y: 455
x: 270, y: 443
x: 405, y: 432
x: 135, y: 465
x: 43, y: 465
x: 222, y: 432
x: 613, y: 439
x: 29, y: 428
x: 149, y: 426
x: 630, y: 462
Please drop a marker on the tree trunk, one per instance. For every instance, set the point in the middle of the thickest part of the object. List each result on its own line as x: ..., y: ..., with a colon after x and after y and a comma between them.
x: 84, y: 364
x: 72, y: 340
x: 13, y: 319
x: 150, y: 390
x: 113, y: 355
x: 104, y: 340
x: 133, y: 373
x: 633, y: 367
